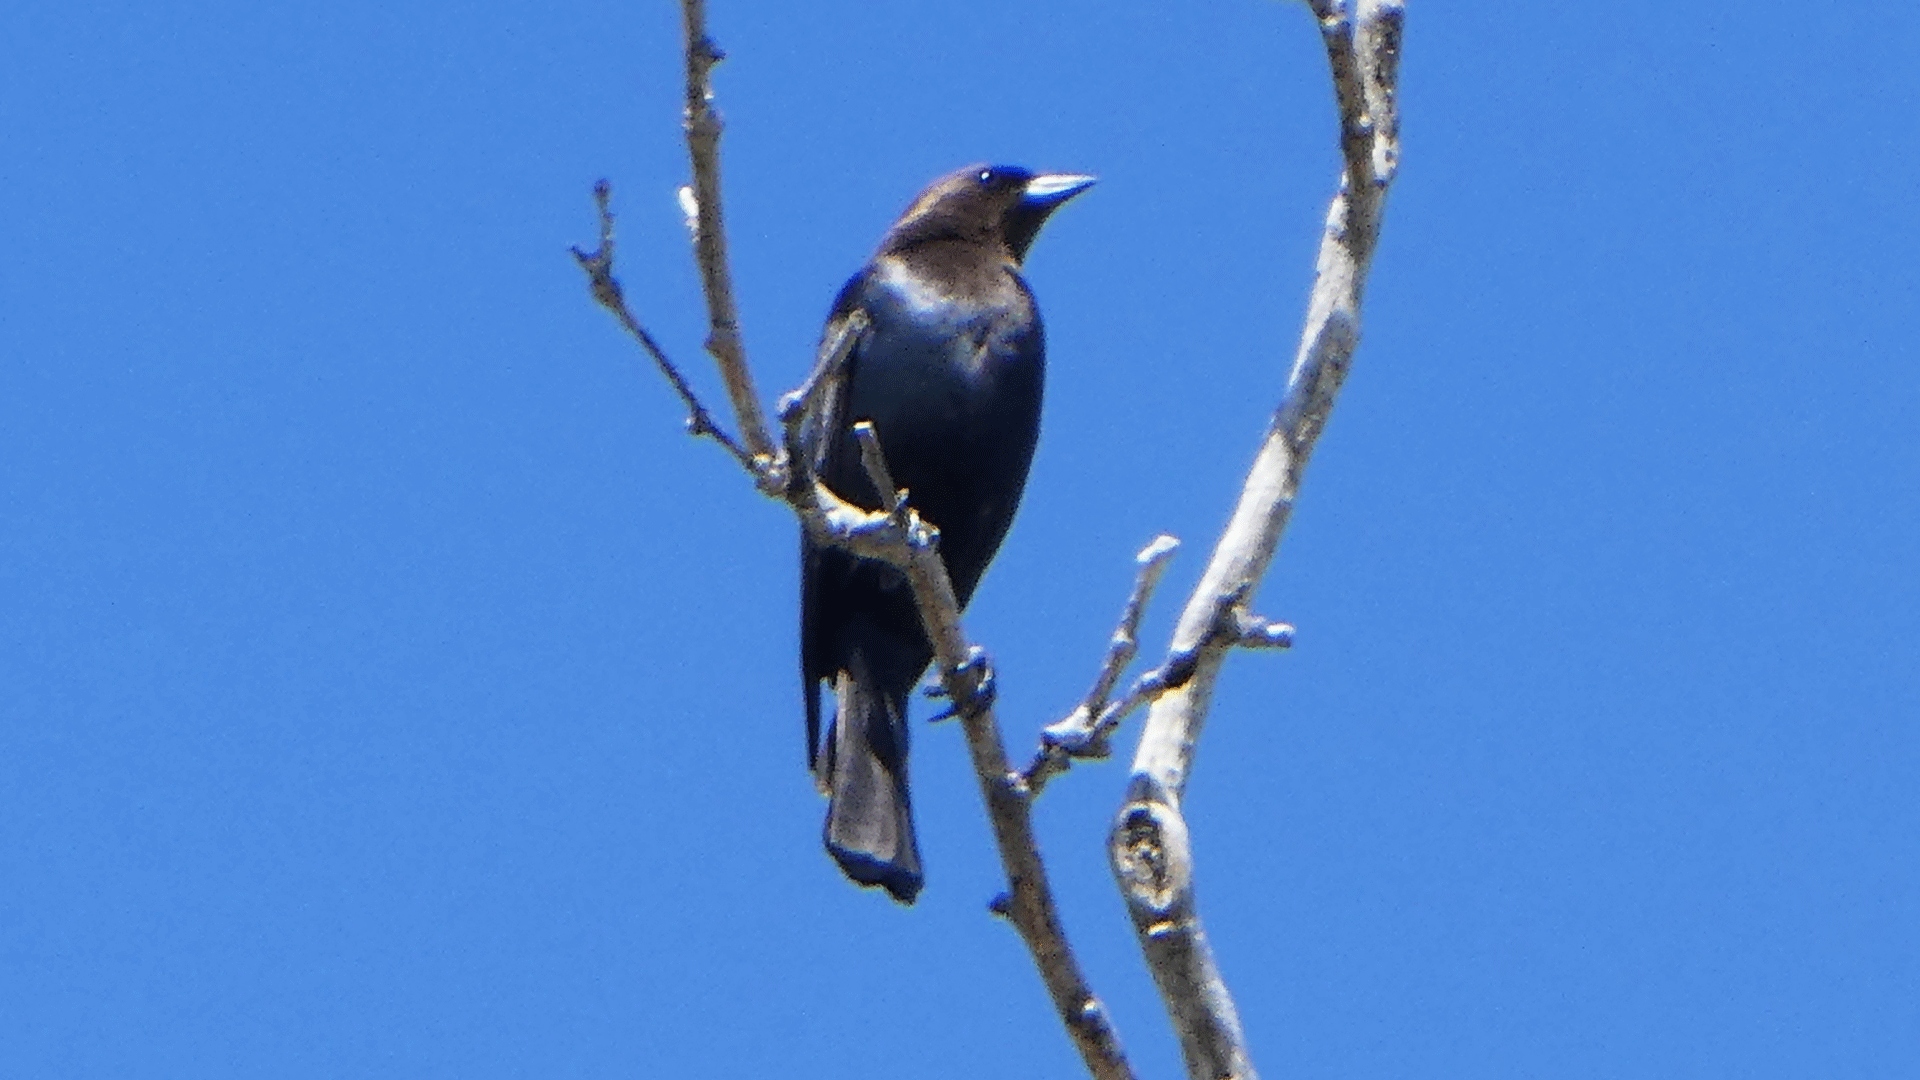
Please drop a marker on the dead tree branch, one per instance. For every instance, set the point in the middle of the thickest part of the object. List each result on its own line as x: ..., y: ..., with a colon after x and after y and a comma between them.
x: 710, y: 241
x: 1149, y: 847
x: 895, y: 536
x: 1084, y: 733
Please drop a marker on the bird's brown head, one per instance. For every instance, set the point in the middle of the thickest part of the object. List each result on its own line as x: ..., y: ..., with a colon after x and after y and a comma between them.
x: 1001, y: 205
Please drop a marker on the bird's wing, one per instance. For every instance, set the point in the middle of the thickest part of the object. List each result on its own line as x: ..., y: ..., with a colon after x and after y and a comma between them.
x: 821, y: 448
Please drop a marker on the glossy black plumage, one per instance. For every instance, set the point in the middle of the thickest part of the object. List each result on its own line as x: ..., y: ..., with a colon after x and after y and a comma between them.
x: 950, y: 371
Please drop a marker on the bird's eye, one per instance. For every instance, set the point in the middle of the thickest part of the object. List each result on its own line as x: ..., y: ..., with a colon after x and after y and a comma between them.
x: 986, y: 177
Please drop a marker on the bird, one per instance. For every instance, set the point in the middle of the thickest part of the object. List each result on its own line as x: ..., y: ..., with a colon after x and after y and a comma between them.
x: 949, y: 370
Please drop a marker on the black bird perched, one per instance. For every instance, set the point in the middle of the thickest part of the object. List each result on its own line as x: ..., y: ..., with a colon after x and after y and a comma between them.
x: 949, y: 371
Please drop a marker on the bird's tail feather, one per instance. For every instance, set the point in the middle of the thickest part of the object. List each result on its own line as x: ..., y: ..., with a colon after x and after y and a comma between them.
x: 869, y: 828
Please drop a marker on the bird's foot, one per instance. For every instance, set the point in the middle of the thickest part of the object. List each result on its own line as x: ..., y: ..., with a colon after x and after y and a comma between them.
x: 977, y: 684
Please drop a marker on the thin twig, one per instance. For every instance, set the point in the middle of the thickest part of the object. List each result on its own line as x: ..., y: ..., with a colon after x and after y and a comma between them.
x: 875, y: 463
x: 1149, y: 849
x: 710, y: 245
x: 1079, y: 735
x: 606, y: 289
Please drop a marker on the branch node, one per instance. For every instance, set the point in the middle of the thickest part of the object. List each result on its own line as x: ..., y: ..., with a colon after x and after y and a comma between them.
x: 1254, y: 632
x: 1150, y: 859
x: 1076, y: 736
x: 1179, y: 669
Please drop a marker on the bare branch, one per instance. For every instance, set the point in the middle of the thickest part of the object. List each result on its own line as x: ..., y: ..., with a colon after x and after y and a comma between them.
x: 1081, y: 735
x: 1153, y: 561
x: 875, y: 463
x: 899, y: 538
x: 710, y: 243
x: 1152, y: 859
x: 1029, y: 904
x: 606, y: 289
x: 1153, y: 862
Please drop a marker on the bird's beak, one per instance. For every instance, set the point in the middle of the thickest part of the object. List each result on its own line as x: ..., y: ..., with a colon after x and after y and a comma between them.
x: 1049, y: 190
x: 1042, y: 196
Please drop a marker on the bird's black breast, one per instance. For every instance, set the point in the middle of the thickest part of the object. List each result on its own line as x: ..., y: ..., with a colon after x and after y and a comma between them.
x: 951, y: 373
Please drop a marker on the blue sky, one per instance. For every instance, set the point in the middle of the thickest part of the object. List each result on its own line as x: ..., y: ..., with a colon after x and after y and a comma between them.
x: 388, y: 688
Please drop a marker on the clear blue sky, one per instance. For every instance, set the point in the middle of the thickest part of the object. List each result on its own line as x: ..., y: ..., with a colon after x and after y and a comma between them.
x: 388, y: 688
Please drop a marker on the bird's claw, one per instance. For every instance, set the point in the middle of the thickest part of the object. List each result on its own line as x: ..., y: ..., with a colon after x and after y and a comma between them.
x: 979, y: 683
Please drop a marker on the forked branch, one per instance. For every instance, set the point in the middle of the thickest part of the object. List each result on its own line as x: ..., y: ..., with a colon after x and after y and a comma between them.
x: 895, y: 536
x: 1149, y: 847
